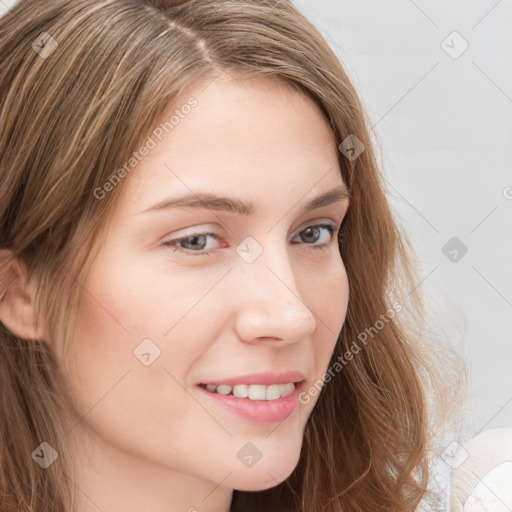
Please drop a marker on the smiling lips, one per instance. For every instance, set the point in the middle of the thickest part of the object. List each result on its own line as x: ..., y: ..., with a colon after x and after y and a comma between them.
x: 261, y: 398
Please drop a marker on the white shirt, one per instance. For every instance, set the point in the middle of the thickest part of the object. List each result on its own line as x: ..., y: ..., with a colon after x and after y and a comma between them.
x: 476, y: 477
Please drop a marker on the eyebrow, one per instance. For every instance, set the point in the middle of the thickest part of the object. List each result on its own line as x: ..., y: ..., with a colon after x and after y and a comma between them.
x: 220, y: 203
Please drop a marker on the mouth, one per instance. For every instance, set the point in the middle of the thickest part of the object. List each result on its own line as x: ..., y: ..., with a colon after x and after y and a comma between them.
x: 256, y: 392
x: 256, y: 403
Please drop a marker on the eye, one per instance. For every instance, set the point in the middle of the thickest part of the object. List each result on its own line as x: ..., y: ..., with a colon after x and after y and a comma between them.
x: 195, y: 244
x: 313, y: 233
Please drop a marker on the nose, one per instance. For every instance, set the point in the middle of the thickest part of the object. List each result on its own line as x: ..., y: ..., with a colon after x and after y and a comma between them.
x: 269, y: 302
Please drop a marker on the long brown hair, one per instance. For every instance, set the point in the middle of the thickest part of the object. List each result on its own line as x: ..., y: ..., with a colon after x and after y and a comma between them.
x: 81, y: 85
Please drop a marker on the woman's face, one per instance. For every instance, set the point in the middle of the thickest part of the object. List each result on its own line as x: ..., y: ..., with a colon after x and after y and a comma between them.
x: 242, y: 293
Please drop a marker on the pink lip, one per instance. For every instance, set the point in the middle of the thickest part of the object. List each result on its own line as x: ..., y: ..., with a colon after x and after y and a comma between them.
x: 258, y: 411
x: 266, y: 378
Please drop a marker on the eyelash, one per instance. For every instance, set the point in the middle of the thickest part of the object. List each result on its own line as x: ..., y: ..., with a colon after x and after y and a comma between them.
x: 331, y: 228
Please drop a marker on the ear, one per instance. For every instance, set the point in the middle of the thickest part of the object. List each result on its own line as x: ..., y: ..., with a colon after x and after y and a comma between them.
x: 16, y: 298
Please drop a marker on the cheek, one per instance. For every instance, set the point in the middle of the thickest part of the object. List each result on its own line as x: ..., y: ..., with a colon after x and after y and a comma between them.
x: 129, y: 317
x: 331, y: 303
x: 132, y: 313
x: 330, y: 297
x: 149, y: 297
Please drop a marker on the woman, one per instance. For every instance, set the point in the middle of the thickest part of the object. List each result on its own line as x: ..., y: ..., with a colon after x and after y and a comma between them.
x: 207, y: 304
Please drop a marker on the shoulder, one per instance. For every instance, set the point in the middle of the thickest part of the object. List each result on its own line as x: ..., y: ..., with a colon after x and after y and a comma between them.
x: 481, y: 473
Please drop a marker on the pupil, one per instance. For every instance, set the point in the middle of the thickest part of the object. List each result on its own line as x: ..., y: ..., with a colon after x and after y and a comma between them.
x: 194, y: 239
x: 308, y: 232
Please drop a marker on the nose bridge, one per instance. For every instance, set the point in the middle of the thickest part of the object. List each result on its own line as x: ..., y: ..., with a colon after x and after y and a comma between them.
x: 272, y: 305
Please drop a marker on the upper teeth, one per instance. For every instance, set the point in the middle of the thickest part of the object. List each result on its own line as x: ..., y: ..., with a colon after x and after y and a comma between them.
x: 254, y: 391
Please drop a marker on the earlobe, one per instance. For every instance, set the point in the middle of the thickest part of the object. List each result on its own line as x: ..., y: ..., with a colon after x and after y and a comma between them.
x: 16, y: 302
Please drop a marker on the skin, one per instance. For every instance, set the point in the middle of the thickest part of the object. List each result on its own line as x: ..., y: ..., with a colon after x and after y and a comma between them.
x: 144, y: 437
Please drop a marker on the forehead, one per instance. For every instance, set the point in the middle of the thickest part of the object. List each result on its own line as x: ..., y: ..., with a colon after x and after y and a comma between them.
x: 255, y: 136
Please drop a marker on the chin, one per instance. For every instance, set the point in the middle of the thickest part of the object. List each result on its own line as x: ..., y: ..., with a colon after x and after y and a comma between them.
x: 260, y: 479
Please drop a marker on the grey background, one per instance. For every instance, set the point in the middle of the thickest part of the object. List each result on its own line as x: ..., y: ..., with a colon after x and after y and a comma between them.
x: 443, y: 128
x: 444, y: 125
